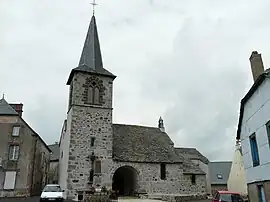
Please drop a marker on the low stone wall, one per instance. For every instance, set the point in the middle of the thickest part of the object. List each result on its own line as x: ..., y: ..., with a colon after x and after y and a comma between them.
x: 14, y: 193
x: 93, y: 198
x: 175, y: 198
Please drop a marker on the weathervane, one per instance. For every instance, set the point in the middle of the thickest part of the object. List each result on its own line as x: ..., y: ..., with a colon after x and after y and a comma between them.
x: 94, y: 4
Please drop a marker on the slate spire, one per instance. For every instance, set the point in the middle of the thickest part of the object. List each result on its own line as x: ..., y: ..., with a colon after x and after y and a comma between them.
x: 91, y: 54
x: 91, y: 58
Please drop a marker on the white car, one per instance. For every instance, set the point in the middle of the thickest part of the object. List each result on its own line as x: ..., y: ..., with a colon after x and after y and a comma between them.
x: 52, y: 192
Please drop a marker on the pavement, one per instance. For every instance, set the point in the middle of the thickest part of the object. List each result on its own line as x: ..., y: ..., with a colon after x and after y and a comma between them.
x: 36, y: 199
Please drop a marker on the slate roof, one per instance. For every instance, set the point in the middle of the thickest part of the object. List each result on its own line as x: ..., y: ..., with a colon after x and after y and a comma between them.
x: 142, y: 144
x: 6, y: 109
x: 251, y: 91
x: 192, y: 154
x: 222, y: 168
x: 91, y: 59
x: 55, y: 152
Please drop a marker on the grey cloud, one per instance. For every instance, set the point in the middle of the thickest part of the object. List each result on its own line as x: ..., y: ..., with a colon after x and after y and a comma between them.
x: 187, y: 61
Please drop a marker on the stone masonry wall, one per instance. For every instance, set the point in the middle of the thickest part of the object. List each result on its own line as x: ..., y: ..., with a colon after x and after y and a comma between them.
x: 89, y: 121
x: 176, y: 182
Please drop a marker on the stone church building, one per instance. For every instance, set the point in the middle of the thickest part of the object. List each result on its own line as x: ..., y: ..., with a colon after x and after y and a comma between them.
x: 95, y: 152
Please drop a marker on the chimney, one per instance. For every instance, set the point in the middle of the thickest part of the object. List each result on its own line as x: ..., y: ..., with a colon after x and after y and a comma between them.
x: 161, y: 125
x: 18, y: 108
x: 256, y: 64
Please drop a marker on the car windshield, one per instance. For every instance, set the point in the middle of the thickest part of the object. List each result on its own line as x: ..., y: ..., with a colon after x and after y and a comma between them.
x: 230, y: 198
x: 52, y: 189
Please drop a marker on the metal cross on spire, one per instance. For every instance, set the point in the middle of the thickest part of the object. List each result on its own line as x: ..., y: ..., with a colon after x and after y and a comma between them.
x: 93, y: 4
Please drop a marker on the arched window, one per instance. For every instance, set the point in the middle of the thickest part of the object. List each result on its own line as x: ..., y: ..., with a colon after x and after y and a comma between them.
x: 93, y: 95
x: 96, y: 96
x: 90, y: 94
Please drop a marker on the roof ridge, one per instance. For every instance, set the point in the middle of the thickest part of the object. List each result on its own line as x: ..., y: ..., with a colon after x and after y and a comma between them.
x: 144, y: 126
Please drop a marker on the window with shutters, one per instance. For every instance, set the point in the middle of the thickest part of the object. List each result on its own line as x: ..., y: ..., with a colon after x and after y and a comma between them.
x: 15, y: 130
x: 97, y: 167
x: 14, y: 152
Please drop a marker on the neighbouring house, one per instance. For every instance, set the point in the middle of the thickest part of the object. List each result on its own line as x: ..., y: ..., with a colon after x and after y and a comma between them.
x: 237, y: 178
x: 131, y: 159
x: 54, y: 163
x: 254, y: 131
x: 219, y: 175
x: 24, y: 156
x: 198, y: 159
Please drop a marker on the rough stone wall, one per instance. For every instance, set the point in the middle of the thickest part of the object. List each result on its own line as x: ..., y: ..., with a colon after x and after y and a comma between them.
x: 176, y: 182
x: 89, y: 121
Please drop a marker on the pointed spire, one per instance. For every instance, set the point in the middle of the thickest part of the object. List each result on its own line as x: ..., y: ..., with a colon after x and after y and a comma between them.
x: 161, y: 125
x: 91, y: 59
x: 91, y: 54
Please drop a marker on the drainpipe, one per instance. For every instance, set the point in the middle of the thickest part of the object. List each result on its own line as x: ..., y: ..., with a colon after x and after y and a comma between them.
x: 33, y: 166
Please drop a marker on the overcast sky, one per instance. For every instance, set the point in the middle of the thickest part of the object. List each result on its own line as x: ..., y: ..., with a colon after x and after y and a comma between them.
x: 186, y: 61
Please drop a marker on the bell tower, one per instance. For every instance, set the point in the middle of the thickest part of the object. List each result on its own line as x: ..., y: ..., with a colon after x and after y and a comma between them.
x: 89, y: 119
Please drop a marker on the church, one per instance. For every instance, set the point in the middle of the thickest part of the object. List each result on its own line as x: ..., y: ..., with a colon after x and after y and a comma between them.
x: 95, y: 152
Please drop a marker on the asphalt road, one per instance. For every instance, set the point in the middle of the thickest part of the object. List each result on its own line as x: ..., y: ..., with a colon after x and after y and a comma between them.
x: 36, y: 199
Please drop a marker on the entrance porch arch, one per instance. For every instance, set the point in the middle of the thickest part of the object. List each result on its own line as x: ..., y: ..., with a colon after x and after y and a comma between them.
x: 125, y: 180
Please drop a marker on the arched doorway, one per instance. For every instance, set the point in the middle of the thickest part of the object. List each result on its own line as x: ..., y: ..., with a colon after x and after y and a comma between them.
x: 125, y: 180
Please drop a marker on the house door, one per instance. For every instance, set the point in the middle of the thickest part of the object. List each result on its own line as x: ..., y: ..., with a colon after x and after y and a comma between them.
x: 261, y: 193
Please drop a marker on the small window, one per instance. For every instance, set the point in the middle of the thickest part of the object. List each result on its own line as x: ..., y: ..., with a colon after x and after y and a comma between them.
x: 98, y: 166
x: 163, y: 171
x: 268, y: 131
x: 219, y: 176
x: 254, y: 150
x: 92, y: 141
x: 193, y: 179
x: 14, y: 152
x: 261, y: 192
x: 16, y: 131
x: 70, y: 94
x: 91, y: 177
x: 61, y: 154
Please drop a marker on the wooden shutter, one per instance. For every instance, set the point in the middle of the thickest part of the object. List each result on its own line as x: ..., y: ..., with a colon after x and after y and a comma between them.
x: 10, y: 179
